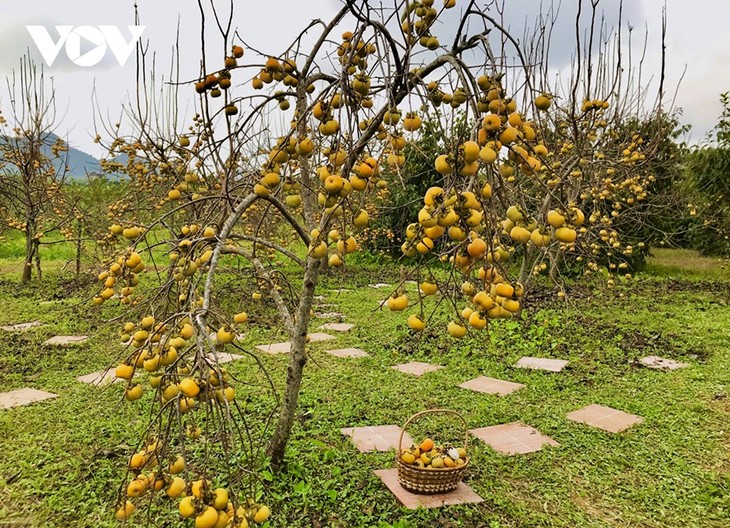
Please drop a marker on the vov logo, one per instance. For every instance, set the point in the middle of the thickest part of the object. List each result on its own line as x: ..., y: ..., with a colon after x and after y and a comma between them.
x: 96, y: 40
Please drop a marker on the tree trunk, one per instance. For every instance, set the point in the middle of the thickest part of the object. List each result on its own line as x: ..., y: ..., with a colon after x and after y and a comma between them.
x: 79, y: 234
x: 297, y: 360
x: 37, y: 251
x: 29, y: 252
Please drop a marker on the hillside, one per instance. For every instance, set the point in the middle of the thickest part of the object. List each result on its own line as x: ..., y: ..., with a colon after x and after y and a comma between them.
x: 80, y: 163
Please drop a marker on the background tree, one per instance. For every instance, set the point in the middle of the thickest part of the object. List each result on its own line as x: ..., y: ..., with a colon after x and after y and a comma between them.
x: 32, y: 161
x: 708, y: 187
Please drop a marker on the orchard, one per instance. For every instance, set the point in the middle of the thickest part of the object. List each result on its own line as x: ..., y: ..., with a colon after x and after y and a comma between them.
x: 231, y: 225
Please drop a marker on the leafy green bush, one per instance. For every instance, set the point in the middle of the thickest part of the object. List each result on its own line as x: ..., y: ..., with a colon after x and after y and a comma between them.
x: 708, y: 185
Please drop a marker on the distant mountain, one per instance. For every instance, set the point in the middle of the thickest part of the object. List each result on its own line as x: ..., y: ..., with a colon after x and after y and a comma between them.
x: 81, y: 165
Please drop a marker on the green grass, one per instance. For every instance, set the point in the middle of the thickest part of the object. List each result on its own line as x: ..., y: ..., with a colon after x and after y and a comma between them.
x: 63, y: 460
x: 686, y: 264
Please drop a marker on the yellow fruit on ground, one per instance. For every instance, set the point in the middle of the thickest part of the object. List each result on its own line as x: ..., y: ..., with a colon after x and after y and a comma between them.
x: 240, y: 318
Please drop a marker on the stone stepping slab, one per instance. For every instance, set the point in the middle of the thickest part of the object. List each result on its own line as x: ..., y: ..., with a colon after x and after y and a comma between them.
x: 100, y: 378
x: 379, y: 285
x: 224, y: 357
x: 376, y: 438
x: 21, y: 327
x: 285, y: 347
x: 550, y: 365
x: 605, y: 418
x: 348, y: 353
x: 492, y: 386
x: 513, y: 438
x: 25, y: 396
x: 64, y: 341
x: 463, y: 494
x: 659, y: 363
x: 338, y: 327
x: 330, y: 315
x: 416, y: 368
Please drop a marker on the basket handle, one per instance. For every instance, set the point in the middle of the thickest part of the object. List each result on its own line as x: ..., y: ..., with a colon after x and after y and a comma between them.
x: 432, y: 411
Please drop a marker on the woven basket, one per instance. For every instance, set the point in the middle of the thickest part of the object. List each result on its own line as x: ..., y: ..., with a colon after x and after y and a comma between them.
x: 433, y: 480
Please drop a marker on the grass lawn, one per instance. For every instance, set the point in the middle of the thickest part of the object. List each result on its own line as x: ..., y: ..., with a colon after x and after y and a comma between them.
x: 63, y: 460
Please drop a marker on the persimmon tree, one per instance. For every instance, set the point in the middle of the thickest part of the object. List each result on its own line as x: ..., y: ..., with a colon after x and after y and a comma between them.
x: 525, y: 179
x: 33, y: 164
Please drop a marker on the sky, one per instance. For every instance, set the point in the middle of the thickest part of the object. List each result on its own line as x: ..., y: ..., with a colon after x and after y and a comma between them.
x: 697, y: 46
